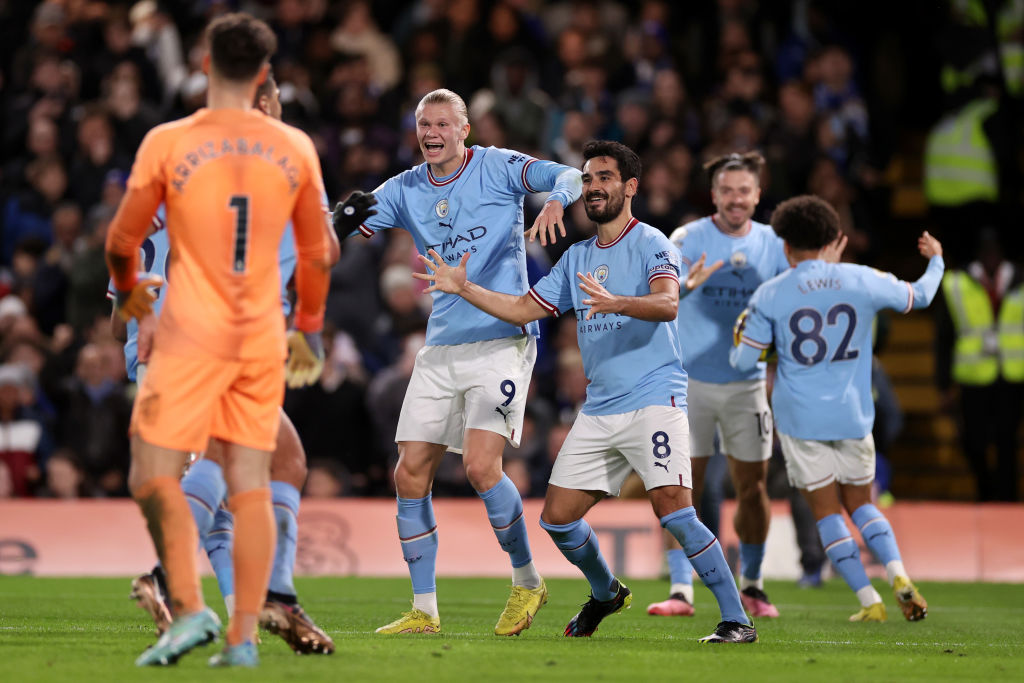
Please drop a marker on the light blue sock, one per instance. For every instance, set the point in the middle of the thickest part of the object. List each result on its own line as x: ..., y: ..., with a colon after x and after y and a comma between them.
x: 578, y: 543
x: 751, y: 556
x: 286, y: 513
x: 219, y: 544
x: 706, y: 556
x: 505, y: 510
x: 417, y: 531
x: 841, y: 549
x: 679, y: 568
x: 877, y: 533
x: 204, y: 489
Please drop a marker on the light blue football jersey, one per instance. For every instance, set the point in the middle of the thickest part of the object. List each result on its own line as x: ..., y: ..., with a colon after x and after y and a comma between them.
x: 631, y: 364
x: 819, y: 315
x: 478, y: 209
x: 153, y: 260
x: 706, y: 315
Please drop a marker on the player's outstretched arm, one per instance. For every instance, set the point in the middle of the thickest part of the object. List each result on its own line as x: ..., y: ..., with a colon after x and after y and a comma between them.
x: 353, y: 212
x: 550, y: 219
x: 928, y: 245
x: 515, y: 310
x: 661, y: 305
x: 566, y: 186
x: 927, y: 285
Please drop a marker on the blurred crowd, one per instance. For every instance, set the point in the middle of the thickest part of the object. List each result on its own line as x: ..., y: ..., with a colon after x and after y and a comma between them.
x: 82, y: 81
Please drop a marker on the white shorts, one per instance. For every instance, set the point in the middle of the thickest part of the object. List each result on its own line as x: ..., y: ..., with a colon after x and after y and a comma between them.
x: 814, y: 464
x: 601, y: 450
x: 740, y: 412
x: 480, y: 385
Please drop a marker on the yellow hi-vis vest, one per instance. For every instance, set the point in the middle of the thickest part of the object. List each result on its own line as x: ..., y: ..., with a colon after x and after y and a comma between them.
x: 984, y: 347
x: 959, y: 166
x: 1009, y: 24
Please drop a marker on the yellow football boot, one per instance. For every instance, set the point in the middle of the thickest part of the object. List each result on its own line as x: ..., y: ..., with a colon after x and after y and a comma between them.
x: 875, y: 612
x: 522, y: 606
x: 415, y: 621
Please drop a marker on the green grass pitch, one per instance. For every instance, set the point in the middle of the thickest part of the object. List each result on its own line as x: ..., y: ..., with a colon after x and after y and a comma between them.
x: 87, y: 630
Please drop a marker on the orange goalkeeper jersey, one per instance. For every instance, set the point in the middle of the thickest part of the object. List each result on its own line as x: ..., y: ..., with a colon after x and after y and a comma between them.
x: 231, y: 180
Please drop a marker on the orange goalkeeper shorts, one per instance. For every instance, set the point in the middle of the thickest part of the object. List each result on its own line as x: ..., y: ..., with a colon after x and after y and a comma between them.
x: 183, y: 401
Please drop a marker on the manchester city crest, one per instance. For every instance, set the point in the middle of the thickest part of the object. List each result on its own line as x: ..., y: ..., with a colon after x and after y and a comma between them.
x: 441, y: 208
x: 601, y: 273
x: 738, y: 259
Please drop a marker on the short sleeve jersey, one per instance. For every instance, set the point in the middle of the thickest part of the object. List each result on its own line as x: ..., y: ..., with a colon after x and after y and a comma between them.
x: 820, y: 316
x: 478, y: 209
x: 707, y: 315
x: 631, y: 363
x: 231, y: 180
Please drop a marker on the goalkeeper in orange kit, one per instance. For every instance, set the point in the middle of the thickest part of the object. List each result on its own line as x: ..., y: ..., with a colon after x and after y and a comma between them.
x: 230, y: 178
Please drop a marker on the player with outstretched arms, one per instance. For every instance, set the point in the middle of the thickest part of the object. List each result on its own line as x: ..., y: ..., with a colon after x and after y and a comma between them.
x: 819, y: 317
x: 230, y: 179
x: 469, y: 384
x: 634, y: 417
x: 742, y: 254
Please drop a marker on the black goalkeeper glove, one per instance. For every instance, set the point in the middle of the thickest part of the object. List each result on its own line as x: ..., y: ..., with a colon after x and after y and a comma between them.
x: 353, y: 212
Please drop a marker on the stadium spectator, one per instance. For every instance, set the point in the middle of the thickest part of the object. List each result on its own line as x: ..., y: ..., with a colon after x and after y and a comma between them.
x: 6, y: 481
x: 827, y: 181
x: 326, y: 479
x: 25, y: 442
x: 116, y: 50
x: 131, y: 117
x: 29, y: 214
x: 790, y: 145
x: 65, y: 478
x: 88, y: 274
x: 403, y: 311
x: 340, y: 391
x: 357, y: 33
x: 93, y: 415
x: 385, y: 394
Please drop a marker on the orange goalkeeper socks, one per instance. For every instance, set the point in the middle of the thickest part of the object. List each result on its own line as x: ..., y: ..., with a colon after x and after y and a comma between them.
x: 253, y: 557
x: 174, y: 534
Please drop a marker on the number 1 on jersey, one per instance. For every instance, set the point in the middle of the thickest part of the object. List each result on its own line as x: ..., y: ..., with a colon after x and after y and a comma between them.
x: 240, y: 204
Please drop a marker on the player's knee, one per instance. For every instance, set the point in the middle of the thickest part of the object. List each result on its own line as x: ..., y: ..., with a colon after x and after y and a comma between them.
x: 289, y: 468
x: 667, y: 499
x: 556, y: 517
x: 411, y: 482
x: 135, y: 481
x: 751, y: 490
x: 483, y: 474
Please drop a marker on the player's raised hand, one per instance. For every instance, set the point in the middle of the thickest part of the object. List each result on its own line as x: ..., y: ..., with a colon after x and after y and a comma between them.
x: 353, y: 212
x: 601, y: 300
x: 699, y: 273
x: 305, y: 358
x: 549, y: 220
x: 833, y: 252
x: 928, y: 245
x: 138, y: 302
x: 443, y: 278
